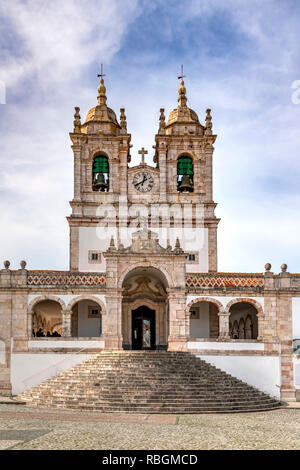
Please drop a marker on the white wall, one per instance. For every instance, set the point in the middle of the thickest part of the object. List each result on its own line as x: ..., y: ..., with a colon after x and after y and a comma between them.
x: 98, y: 238
x: 262, y: 372
x: 87, y: 327
x: 29, y: 370
x: 225, y: 346
x: 200, y: 327
x: 297, y: 371
x: 296, y: 317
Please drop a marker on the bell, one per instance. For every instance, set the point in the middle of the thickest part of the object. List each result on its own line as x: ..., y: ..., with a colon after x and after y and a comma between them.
x: 186, y: 184
x: 99, y: 183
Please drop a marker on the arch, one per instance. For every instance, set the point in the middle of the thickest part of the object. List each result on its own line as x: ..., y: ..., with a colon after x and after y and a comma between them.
x: 185, y: 173
x: 99, y: 152
x: 186, y: 154
x: 92, y: 298
x: 100, y: 172
x: 147, y: 264
x: 203, y: 299
x: 247, y: 300
x: 41, y: 298
x: 244, y: 315
x: 143, y: 302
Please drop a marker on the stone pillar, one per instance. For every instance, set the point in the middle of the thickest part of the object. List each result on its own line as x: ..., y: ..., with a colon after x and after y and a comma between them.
x: 223, y: 325
x: 260, y: 326
x: 285, y: 333
x: 66, y: 323
x: 209, y: 172
x: 112, y: 320
x: 77, y: 173
x: 123, y: 171
x: 179, y: 321
x: 162, y: 161
x: 212, y: 248
x: 29, y: 324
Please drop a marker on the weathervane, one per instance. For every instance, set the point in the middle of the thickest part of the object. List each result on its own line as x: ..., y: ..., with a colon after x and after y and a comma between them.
x: 181, y: 76
x: 101, y: 74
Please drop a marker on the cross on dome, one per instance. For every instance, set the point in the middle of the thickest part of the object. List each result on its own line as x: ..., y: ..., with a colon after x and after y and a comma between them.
x: 181, y: 76
x: 101, y: 74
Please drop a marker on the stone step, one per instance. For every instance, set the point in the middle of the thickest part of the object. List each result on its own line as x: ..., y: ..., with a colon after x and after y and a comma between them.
x: 147, y: 382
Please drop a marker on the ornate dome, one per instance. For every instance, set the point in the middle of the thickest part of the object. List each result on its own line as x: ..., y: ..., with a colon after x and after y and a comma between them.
x: 102, y: 113
x: 182, y: 113
x: 99, y: 113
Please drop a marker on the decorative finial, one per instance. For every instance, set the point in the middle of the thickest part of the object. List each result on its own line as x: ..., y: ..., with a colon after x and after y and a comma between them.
x: 283, y: 268
x: 208, y: 127
x: 162, y: 122
x: 23, y: 264
x: 182, y: 99
x: 123, y: 121
x: 143, y: 152
x: 178, y: 250
x: 268, y: 267
x: 77, y: 121
x: 6, y: 264
x: 101, y: 88
x: 112, y: 246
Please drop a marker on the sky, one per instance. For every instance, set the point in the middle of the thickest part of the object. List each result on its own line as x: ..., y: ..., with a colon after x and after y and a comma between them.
x: 241, y: 59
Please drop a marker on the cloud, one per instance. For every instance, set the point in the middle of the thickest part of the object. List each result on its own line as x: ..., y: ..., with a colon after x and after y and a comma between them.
x: 240, y: 60
x: 56, y: 39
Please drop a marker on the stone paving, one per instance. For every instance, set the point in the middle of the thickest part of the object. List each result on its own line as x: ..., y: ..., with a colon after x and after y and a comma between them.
x: 25, y: 428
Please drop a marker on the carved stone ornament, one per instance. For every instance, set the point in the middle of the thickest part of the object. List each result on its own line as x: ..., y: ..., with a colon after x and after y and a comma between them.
x: 145, y: 241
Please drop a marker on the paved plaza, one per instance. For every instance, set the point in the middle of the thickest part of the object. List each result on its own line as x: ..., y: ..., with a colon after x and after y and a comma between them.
x: 25, y: 428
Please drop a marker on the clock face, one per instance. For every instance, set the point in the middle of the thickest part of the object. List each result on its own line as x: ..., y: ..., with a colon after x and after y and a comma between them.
x: 143, y: 182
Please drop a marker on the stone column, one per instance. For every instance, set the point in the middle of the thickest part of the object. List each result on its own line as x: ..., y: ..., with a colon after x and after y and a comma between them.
x: 162, y: 161
x: 66, y: 323
x: 223, y: 325
x: 77, y: 173
x: 112, y: 320
x: 29, y: 324
x: 123, y: 171
x: 179, y: 321
x: 260, y: 327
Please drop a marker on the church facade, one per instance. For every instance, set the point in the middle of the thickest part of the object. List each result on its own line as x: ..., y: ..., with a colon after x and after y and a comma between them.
x: 143, y: 268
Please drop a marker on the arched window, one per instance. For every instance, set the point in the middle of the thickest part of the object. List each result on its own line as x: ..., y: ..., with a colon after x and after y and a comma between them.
x: 100, y: 173
x: 185, y: 174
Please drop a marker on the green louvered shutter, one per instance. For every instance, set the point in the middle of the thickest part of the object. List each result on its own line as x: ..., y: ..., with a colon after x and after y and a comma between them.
x: 100, y: 165
x: 185, y: 166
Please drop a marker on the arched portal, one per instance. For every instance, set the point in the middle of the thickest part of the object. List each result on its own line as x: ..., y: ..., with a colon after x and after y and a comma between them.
x: 243, y: 322
x: 204, y: 318
x: 145, y: 309
x: 47, y: 318
x: 86, y: 318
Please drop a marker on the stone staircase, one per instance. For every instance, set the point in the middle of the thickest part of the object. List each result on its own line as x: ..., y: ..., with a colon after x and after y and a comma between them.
x: 148, y: 382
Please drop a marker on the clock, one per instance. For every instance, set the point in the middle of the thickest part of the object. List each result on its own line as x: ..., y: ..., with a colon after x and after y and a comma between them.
x: 143, y: 182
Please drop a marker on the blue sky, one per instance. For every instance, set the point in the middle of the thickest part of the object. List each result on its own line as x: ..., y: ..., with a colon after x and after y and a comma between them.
x: 241, y: 59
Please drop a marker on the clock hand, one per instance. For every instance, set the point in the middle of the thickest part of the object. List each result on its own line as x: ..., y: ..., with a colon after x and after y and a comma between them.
x: 142, y: 182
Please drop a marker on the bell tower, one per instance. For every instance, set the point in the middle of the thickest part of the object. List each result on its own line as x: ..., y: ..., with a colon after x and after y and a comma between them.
x: 101, y: 147
x: 184, y: 155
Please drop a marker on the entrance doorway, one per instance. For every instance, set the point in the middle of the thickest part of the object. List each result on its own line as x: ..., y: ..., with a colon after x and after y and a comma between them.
x: 143, y: 328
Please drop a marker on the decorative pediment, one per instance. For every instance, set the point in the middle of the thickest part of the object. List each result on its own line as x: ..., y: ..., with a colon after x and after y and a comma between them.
x: 145, y: 241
